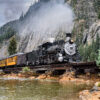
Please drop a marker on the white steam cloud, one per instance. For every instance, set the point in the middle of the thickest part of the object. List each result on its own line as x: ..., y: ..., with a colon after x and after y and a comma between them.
x: 51, y: 18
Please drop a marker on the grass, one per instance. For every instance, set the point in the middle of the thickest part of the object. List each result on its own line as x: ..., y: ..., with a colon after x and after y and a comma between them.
x: 26, y: 69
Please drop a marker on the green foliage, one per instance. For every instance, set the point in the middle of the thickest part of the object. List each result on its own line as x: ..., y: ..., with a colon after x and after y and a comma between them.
x: 98, y: 59
x: 97, y: 43
x: 8, y: 34
x: 92, y: 56
x: 26, y: 69
x: 89, y: 52
x: 99, y: 15
x: 12, y: 46
x: 73, y: 3
x: 97, y: 7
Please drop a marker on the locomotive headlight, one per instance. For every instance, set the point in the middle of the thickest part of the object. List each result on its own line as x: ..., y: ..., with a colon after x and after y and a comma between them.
x: 60, y: 57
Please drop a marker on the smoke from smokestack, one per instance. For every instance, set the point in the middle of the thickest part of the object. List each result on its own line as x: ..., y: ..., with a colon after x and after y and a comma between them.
x: 50, y: 18
x: 47, y: 19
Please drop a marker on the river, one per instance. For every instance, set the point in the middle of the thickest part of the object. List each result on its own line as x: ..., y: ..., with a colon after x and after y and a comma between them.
x: 39, y: 90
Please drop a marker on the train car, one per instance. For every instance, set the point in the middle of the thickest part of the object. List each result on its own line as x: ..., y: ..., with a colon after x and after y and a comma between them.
x: 14, y: 60
x: 21, y: 59
x: 3, y: 63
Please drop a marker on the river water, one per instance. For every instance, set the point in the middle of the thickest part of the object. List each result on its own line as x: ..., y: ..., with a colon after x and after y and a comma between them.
x: 39, y: 90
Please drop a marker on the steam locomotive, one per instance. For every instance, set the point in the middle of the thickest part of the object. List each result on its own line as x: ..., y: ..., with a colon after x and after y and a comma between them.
x: 48, y: 53
x: 54, y: 52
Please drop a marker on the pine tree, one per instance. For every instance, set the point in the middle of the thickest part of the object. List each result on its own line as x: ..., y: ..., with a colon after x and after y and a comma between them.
x: 12, y: 46
x: 99, y: 15
x: 8, y: 34
x: 98, y: 60
x: 92, y: 56
x: 97, y: 44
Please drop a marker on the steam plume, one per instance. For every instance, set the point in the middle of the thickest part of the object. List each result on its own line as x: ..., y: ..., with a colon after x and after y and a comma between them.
x: 50, y: 18
x: 46, y: 20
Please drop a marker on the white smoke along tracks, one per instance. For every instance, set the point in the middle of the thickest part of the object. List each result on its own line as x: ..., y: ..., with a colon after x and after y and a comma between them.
x: 51, y: 18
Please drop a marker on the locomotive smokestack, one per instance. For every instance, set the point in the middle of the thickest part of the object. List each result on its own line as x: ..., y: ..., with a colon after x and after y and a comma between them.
x: 68, y: 34
x: 68, y: 37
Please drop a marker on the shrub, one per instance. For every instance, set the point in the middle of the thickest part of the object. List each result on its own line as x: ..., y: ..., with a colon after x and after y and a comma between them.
x: 26, y: 69
x: 98, y: 84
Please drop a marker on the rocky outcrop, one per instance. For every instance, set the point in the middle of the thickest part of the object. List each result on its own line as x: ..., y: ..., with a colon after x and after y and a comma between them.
x: 93, y: 94
x: 93, y: 31
x: 3, y: 49
x: 86, y: 95
x: 86, y: 23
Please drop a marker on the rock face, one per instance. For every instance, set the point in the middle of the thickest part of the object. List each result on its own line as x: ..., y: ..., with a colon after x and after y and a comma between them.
x: 93, y: 31
x: 86, y: 24
x: 86, y: 21
x: 3, y: 50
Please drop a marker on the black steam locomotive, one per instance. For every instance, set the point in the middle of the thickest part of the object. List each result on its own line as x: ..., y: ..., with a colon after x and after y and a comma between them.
x: 54, y: 52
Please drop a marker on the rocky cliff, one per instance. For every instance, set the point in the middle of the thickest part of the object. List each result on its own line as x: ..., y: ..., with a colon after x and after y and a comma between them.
x: 87, y: 22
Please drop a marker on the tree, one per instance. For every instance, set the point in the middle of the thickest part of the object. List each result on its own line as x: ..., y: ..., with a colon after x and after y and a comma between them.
x: 98, y: 60
x: 8, y: 34
x: 12, y: 46
x: 92, y: 56
x: 97, y: 44
x: 88, y: 52
x: 99, y: 15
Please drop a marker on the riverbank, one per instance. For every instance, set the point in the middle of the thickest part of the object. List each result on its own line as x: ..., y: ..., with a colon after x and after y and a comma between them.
x: 67, y: 77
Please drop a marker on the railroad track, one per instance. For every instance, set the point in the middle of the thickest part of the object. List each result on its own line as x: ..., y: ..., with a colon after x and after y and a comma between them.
x: 53, y: 67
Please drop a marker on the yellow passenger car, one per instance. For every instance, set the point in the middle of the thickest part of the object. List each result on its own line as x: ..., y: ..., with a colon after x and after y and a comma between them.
x: 3, y: 63
x: 12, y: 61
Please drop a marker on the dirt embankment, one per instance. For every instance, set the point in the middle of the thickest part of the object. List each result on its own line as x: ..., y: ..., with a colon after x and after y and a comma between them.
x: 67, y: 77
